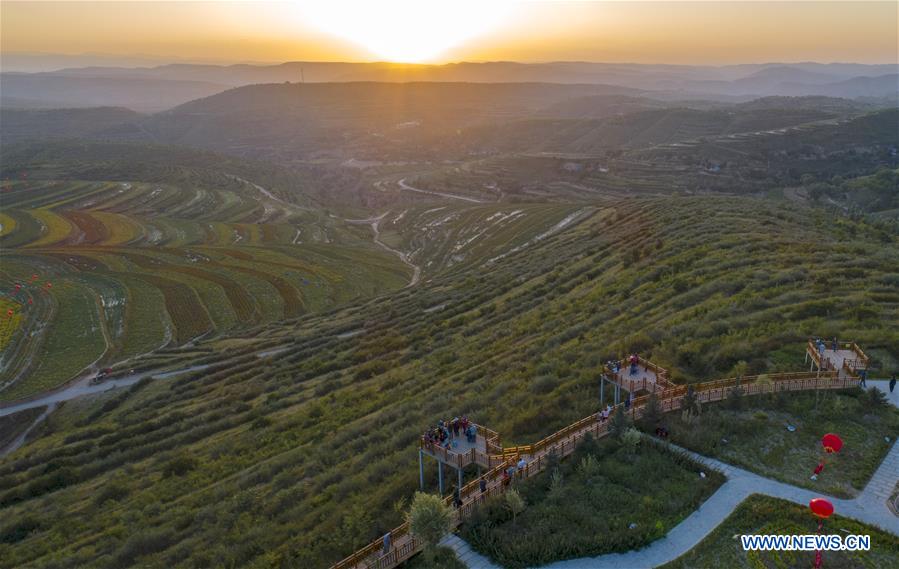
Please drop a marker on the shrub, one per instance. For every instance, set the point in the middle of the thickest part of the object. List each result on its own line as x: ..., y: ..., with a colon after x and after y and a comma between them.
x: 179, y: 466
x: 631, y: 439
x: 515, y: 503
x: 429, y: 519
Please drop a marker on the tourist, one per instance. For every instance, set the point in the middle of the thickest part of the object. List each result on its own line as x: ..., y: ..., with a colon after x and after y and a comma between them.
x: 385, y: 542
x: 455, y: 426
x: 482, y: 484
x: 464, y: 424
x: 834, y: 344
x: 507, y: 479
x: 863, y: 374
x: 892, y: 383
x: 522, y: 464
x: 472, y: 434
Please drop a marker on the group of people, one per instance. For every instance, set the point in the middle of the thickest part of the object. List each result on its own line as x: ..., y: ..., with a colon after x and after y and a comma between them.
x: 446, y: 432
x: 604, y: 414
x: 518, y: 468
x: 822, y: 345
x: 633, y: 361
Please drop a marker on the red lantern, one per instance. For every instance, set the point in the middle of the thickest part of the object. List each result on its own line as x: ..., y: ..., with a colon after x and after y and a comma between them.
x: 49, y: 285
x: 18, y: 287
x: 30, y: 301
x: 831, y: 443
x: 9, y: 312
x: 821, y: 508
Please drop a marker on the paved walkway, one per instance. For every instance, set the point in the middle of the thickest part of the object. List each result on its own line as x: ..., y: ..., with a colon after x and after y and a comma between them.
x: 868, y: 507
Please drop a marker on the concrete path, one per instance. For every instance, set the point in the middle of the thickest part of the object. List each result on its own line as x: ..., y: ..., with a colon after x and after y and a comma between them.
x: 85, y: 387
x: 466, y: 554
x: 869, y: 507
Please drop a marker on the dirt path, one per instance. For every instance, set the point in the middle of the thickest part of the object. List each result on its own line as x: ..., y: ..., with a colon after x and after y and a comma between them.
x: 402, y: 184
x: 374, y: 223
x: 20, y: 440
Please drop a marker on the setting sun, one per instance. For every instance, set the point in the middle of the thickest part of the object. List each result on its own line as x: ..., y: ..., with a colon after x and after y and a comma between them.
x: 405, y: 31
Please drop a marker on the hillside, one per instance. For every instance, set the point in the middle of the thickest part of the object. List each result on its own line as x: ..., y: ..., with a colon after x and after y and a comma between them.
x: 113, y: 251
x: 299, y: 461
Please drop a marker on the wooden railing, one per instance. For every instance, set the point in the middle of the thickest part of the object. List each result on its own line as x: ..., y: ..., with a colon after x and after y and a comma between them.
x: 563, y: 442
x: 850, y: 365
x: 472, y: 455
x: 663, y: 379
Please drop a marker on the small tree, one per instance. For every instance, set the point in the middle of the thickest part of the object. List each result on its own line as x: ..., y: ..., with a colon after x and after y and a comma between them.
x: 515, y: 503
x: 690, y: 406
x: 430, y: 519
x: 555, y: 482
x: 620, y: 423
x: 735, y: 398
x: 631, y: 439
x: 652, y: 412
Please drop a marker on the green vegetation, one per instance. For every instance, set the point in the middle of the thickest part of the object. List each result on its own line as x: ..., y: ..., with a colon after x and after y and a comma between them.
x: 699, y: 285
x: 11, y: 426
x: 751, y: 432
x: 609, y: 496
x: 185, y: 248
x: 762, y: 515
x: 430, y: 519
x: 442, y: 558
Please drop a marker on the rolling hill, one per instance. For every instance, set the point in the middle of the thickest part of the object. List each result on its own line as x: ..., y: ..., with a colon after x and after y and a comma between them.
x: 299, y: 461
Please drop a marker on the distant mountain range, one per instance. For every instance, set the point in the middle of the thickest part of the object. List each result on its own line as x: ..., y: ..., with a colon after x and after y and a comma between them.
x: 150, y: 89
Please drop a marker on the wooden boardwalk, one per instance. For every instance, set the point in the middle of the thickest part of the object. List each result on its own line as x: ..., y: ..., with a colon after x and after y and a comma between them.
x: 563, y: 442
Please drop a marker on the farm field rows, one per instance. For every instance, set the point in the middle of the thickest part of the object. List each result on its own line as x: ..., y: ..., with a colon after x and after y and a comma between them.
x: 133, y: 267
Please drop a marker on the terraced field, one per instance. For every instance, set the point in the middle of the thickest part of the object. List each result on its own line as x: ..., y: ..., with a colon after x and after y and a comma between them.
x: 458, y: 235
x: 128, y: 267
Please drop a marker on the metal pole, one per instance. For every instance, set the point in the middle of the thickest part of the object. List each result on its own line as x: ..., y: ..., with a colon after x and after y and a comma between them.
x: 460, y: 480
x: 602, y: 389
x: 421, y: 470
x: 440, y: 476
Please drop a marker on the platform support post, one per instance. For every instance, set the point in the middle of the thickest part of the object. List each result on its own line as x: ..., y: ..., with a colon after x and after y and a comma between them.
x: 421, y: 470
x: 460, y: 481
x: 440, y: 476
x: 602, y: 389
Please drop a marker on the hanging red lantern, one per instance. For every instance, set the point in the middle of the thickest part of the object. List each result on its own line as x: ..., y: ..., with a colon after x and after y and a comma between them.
x: 821, y: 507
x: 18, y: 287
x: 831, y: 443
x: 9, y: 312
x: 49, y: 285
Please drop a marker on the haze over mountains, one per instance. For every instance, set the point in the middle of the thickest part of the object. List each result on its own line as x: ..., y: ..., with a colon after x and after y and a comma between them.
x: 151, y: 89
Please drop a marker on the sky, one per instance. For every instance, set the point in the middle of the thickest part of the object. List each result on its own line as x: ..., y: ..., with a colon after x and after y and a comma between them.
x: 720, y: 32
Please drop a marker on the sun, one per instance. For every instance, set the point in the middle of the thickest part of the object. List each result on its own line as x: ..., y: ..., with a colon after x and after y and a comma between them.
x: 402, y: 30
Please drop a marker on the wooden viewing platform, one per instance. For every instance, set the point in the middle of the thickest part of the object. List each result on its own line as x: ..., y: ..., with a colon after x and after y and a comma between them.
x: 844, y: 357
x: 840, y: 374
x: 647, y: 377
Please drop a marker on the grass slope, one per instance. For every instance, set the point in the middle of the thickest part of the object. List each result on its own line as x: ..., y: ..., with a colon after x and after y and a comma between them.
x: 297, y: 458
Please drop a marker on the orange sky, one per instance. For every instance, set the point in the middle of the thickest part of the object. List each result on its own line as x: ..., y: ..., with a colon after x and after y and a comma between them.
x: 634, y: 31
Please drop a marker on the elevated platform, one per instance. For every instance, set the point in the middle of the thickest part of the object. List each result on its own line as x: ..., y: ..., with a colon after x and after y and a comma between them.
x: 846, y: 358
x: 460, y: 453
x: 647, y: 377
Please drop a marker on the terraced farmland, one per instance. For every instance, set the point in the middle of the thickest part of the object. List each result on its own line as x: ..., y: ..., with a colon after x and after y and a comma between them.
x: 457, y: 235
x: 134, y: 266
